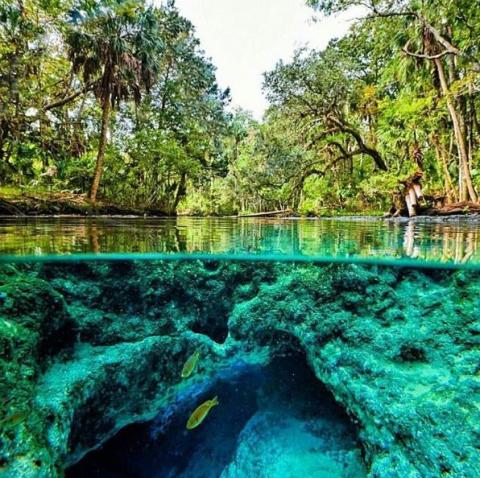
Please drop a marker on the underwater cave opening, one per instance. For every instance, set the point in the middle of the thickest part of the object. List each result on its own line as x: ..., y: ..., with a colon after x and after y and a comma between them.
x: 216, y: 330
x: 277, y: 421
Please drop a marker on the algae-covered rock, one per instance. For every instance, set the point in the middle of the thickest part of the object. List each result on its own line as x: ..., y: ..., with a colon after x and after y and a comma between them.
x: 34, y: 327
x: 398, y: 349
x: 32, y: 303
x: 399, y: 378
x: 274, y: 446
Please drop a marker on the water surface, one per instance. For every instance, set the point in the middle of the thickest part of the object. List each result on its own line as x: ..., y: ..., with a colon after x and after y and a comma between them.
x: 322, y: 370
x: 451, y: 242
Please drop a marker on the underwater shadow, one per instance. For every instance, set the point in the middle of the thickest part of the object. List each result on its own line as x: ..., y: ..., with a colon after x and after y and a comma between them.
x: 270, y: 417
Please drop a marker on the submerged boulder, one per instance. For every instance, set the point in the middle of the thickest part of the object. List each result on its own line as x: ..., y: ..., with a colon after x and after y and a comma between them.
x: 31, y: 303
x: 273, y: 445
x: 35, y: 329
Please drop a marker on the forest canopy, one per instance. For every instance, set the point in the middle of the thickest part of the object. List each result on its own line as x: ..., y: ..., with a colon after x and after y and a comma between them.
x: 115, y: 100
x: 109, y: 97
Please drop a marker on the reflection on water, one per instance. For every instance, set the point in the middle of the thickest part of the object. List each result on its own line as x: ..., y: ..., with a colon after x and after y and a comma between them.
x: 432, y: 240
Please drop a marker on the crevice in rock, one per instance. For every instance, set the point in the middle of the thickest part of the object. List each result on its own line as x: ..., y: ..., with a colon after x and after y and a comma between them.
x: 268, y: 418
x: 217, y: 331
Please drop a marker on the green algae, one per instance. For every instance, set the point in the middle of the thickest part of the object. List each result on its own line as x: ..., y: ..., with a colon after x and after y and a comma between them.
x: 89, y: 347
x: 33, y: 325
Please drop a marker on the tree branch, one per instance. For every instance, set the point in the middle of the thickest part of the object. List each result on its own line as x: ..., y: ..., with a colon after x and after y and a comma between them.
x: 345, y: 153
x: 373, y: 153
x: 423, y: 56
x: 320, y: 136
x: 452, y: 49
x: 439, y: 37
x: 69, y: 98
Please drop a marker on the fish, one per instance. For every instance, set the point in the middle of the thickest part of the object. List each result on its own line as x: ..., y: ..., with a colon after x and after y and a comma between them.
x: 14, y: 419
x: 200, y: 413
x: 3, y: 297
x: 190, y: 364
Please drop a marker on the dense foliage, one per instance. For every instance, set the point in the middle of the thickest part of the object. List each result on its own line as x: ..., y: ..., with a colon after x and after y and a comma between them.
x: 118, y: 96
x: 400, y: 93
x: 106, y: 95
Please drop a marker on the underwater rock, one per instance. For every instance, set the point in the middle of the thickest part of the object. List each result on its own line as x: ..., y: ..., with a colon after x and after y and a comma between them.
x: 412, y: 416
x: 35, y: 330
x: 33, y: 304
x: 397, y: 348
x: 263, y: 407
x: 274, y: 446
x: 129, y: 383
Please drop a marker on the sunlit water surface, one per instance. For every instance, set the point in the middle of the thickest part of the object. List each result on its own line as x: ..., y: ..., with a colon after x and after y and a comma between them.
x: 424, y: 241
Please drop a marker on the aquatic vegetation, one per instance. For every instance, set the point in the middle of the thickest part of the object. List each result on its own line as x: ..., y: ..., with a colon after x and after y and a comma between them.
x: 397, y: 348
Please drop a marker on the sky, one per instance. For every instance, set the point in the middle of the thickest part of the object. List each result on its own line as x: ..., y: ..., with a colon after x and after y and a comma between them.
x: 245, y: 38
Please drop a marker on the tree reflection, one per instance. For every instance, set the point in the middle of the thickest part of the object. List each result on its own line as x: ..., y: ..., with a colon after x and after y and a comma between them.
x: 436, y: 241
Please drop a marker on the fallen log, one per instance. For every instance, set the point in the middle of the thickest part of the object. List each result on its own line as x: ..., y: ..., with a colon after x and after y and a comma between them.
x: 9, y: 209
x: 62, y: 204
x: 458, y: 208
x: 267, y: 213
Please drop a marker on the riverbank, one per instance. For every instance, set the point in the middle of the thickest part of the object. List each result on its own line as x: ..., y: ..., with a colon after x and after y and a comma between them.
x: 68, y: 204
x: 43, y: 203
x: 54, y: 204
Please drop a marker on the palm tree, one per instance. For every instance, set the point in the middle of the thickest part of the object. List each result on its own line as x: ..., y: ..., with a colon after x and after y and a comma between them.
x: 115, y: 46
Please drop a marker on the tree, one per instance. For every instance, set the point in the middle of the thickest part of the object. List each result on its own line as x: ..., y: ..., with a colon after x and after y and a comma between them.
x: 173, y: 138
x: 30, y: 73
x: 439, y: 32
x: 140, y: 69
x: 115, y: 45
x: 319, y: 90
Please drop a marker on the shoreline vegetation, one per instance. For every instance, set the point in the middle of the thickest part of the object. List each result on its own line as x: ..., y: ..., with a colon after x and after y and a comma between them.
x: 67, y: 204
x: 116, y: 101
x: 52, y: 204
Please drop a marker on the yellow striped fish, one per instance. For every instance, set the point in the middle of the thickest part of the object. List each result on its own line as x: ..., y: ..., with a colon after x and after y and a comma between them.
x: 200, y: 413
x: 190, y: 364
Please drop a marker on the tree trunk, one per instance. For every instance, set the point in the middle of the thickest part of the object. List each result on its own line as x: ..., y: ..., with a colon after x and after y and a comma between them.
x: 459, y: 137
x: 410, y: 206
x: 180, y: 192
x: 106, y: 108
x: 449, y: 188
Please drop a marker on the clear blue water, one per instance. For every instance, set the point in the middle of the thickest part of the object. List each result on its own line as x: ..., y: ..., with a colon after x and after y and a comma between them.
x: 451, y: 242
x: 338, y: 348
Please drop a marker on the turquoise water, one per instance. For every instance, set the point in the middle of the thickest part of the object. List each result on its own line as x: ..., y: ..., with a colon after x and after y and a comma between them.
x: 452, y: 242
x: 336, y: 348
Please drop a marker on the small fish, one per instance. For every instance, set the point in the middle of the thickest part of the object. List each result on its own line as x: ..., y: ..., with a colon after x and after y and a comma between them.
x: 190, y: 364
x: 14, y: 419
x: 3, y: 297
x: 200, y: 413
x: 6, y: 323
